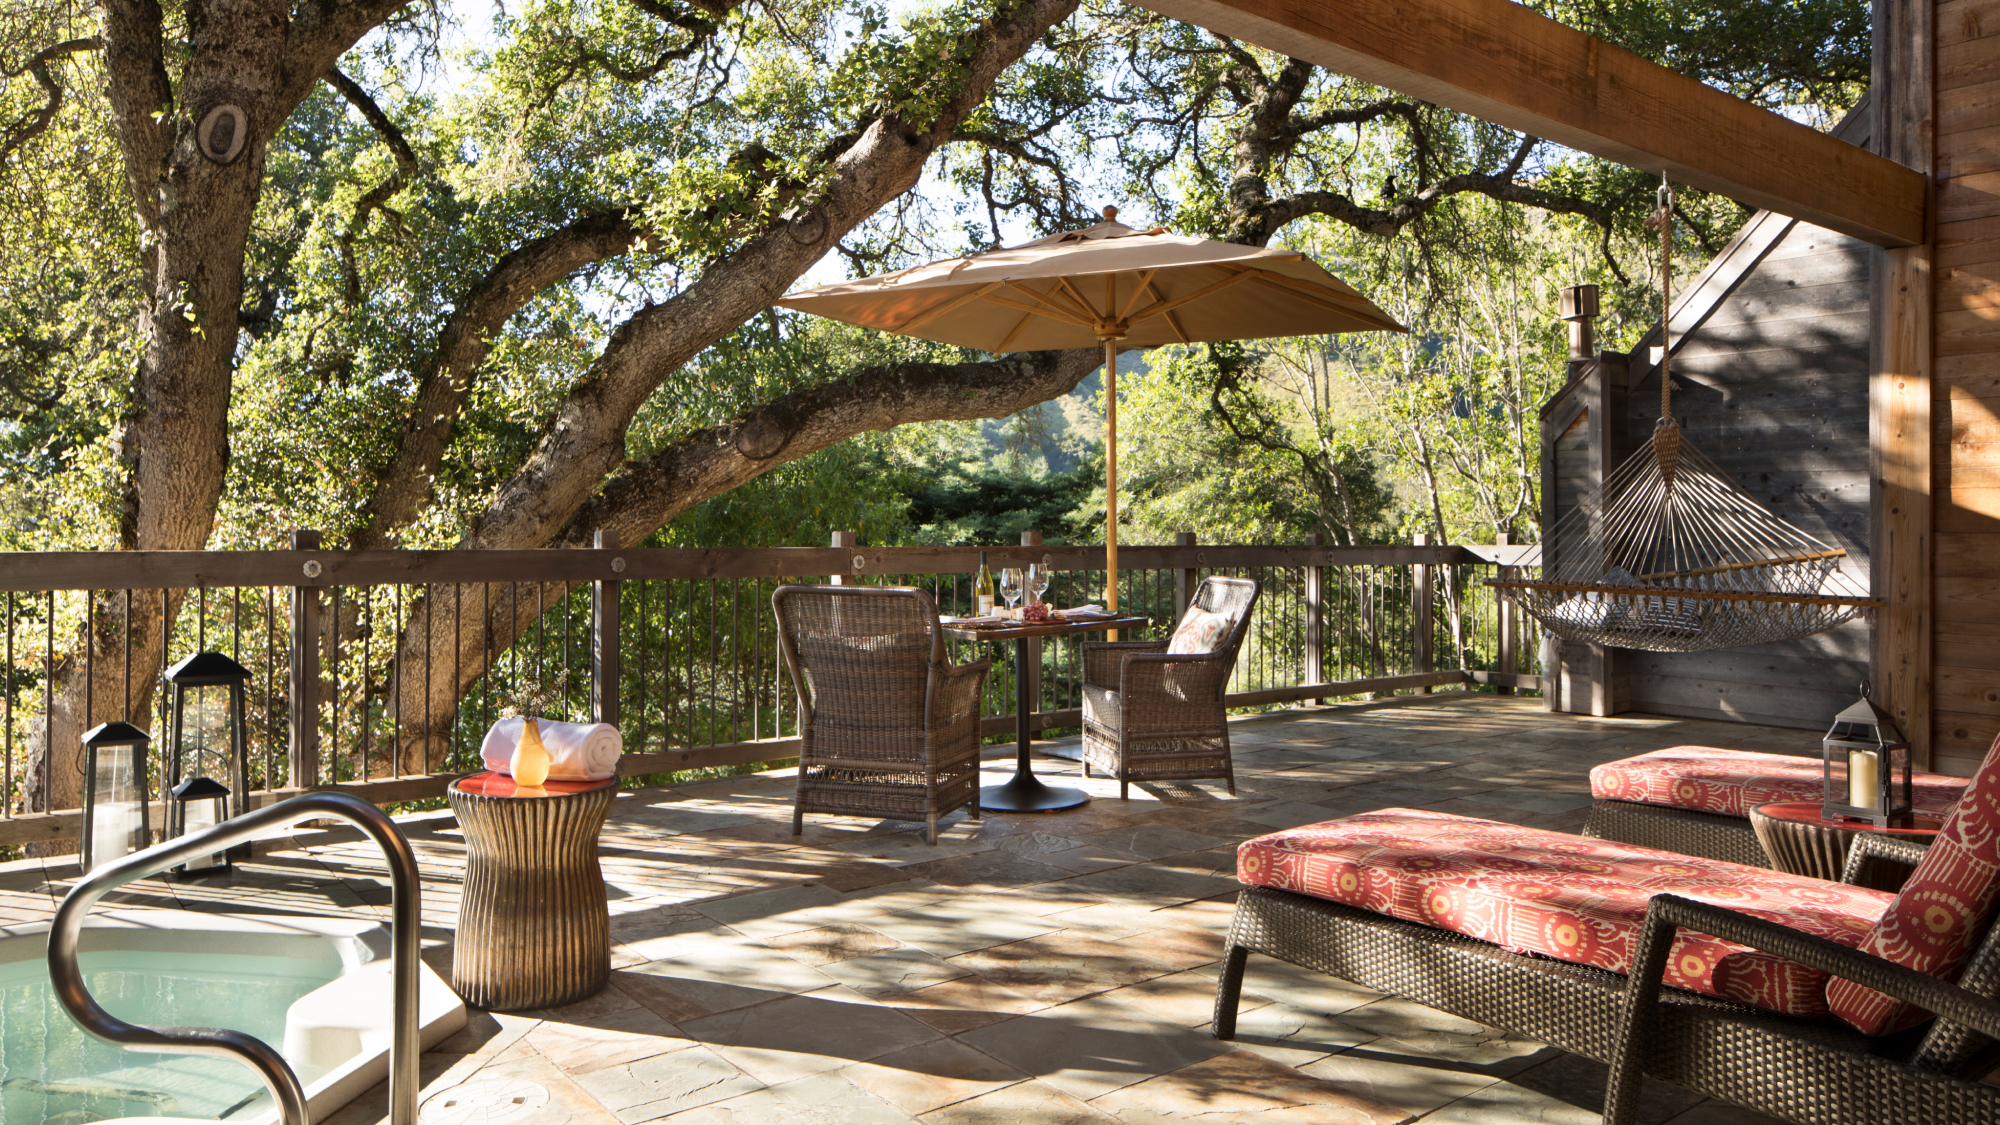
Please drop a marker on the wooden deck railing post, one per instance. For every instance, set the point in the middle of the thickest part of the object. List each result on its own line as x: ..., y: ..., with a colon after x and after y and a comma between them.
x: 1421, y: 621
x: 1504, y: 609
x: 1186, y: 579
x: 843, y: 540
x: 604, y: 675
x: 302, y: 681
x: 1034, y: 663
x: 1315, y: 619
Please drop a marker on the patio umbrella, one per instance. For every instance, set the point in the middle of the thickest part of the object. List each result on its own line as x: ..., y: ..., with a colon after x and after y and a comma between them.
x: 1107, y: 284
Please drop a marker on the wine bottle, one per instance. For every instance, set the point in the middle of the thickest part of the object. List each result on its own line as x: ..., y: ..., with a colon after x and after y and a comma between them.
x: 982, y: 589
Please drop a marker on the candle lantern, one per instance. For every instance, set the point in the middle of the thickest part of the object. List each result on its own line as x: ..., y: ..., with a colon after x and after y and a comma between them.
x: 114, y: 793
x: 1866, y: 766
x: 209, y: 739
x: 201, y: 803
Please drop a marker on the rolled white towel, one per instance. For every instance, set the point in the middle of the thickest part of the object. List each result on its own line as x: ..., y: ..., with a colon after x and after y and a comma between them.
x: 577, y: 751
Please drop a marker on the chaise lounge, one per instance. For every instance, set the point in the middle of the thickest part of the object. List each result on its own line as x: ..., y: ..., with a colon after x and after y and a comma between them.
x: 1696, y: 800
x: 1790, y: 995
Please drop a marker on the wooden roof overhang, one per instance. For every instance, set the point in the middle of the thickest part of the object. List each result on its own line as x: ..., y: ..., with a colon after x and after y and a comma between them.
x: 1507, y: 64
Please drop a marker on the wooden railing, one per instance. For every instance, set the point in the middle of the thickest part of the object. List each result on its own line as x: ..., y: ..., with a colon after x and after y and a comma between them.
x: 675, y: 646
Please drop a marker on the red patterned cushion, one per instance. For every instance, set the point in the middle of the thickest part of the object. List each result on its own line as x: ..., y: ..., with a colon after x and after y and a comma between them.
x: 1732, y: 782
x: 1570, y: 897
x: 1949, y: 895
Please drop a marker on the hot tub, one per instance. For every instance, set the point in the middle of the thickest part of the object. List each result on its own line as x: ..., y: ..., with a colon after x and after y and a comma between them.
x: 316, y: 988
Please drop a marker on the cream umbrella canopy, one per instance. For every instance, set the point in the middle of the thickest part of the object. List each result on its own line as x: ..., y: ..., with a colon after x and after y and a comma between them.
x: 1108, y: 284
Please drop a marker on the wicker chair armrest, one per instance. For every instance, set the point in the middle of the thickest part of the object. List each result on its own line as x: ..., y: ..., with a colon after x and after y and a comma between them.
x: 1870, y: 846
x: 1174, y: 691
x: 1666, y: 914
x: 957, y: 696
x: 1102, y: 660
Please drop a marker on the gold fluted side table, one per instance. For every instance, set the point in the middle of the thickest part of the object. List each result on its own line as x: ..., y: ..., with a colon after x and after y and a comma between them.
x: 534, y: 930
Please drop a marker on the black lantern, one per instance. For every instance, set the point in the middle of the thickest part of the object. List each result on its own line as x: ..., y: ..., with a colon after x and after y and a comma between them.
x: 114, y: 793
x: 198, y: 804
x: 208, y: 735
x: 1866, y: 767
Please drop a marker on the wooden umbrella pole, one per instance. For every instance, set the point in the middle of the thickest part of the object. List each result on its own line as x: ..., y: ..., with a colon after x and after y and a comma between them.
x: 1111, y: 476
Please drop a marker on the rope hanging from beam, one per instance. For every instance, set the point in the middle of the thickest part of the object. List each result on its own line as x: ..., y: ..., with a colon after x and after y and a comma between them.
x: 1670, y: 555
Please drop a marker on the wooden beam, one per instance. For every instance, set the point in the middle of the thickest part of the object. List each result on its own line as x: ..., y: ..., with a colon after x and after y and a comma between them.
x: 1901, y: 388
x: 1499, y: 61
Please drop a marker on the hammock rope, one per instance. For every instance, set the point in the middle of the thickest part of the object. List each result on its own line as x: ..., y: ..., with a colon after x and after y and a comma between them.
x: 1668, y: 554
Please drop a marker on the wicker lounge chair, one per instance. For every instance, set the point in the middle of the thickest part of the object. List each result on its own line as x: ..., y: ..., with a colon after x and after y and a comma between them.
x: 887, y: 727
x: 1152, y: 710
x: 1806, y: 1067
x: 1696, y: 800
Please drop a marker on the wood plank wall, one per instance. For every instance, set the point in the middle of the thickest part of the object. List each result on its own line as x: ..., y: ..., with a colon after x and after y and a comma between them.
x: 1965, y: 410
x: 1772, y: 384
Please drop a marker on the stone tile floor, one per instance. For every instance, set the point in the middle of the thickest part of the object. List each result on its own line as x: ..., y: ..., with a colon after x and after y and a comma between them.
x: 1055, y: 969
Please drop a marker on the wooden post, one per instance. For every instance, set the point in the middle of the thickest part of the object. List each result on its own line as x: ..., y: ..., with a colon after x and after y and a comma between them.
x: 1901, y: 386
x: 604, y: 675
x: 1186, y: 579
x: 1033, y: 669
x: 841, y: 539
x: 1421, y: 622
x: 1504, y: 607
x: 1315, y: 620
x: 1608, y: 672
x: 303, y: 679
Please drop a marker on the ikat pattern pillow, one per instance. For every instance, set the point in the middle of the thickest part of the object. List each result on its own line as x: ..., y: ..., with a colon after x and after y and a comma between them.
x: 1732, y: 782
x: 1573, y: 898
x: 1930, y: 925
x: 1200, y: 632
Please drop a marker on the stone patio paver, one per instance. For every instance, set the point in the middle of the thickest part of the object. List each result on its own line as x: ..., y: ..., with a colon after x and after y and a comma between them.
x: 1052, y: 969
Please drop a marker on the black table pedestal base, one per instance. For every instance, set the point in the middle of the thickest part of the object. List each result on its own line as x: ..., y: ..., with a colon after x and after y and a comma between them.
x: 1026, y: 793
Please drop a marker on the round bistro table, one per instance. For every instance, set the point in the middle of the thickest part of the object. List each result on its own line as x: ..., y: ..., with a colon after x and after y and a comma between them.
x: 1802, y: 842
x: 534, y: 930
x: 1025, y: 792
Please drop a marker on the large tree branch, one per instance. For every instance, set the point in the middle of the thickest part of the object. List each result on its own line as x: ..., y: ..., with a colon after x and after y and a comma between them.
x: 376, y: 198
x: 141, y: 95
x: 585, y: 438
x: 319, y: 32
x: 1386, y: 221
x: 644, y: 496
x: 403, y: 485
x: 35, y: 122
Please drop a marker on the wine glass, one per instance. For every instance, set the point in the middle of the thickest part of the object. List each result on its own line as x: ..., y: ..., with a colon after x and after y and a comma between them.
x: 1038, y: 580
x: 1010, y: 587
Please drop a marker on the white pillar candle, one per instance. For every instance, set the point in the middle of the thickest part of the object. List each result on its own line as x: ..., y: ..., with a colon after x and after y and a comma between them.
x: 1864, y: 779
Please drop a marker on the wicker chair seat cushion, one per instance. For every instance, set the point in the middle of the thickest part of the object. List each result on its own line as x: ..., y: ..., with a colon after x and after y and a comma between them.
x: 1572, y: 898
x: 1100, y: 707
x: 1732, y: 782
x: 1945, y: 902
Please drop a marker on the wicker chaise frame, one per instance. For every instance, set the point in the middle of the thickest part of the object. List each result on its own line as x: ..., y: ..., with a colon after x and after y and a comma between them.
x: 1172, y: 725
x: 888, y: 726
x: 1686, y: 831
x: 1817, y: 1071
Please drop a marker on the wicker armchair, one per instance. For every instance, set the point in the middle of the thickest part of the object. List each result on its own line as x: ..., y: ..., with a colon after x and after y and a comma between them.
x: 887, y: 726
x: 1818, y: 1071
x: 1151, y: 715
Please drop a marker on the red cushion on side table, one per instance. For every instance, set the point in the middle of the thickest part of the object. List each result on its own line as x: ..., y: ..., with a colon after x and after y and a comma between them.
x: 1732, y: 782
x: 1928, y: 926
x: 1573, y: 898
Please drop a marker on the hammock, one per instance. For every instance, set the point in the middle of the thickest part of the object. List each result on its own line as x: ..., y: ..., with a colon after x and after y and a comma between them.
x: 1669, y: 555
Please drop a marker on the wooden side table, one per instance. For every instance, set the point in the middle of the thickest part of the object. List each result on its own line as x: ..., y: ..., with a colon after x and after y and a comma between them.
x: 534, y: 929
x: 1802, y: 842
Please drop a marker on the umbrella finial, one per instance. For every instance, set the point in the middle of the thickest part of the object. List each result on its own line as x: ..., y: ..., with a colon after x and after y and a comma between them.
x: 1111, y: 214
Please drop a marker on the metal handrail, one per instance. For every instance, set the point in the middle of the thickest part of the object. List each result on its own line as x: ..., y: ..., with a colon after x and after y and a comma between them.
x: 278, y: 1076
